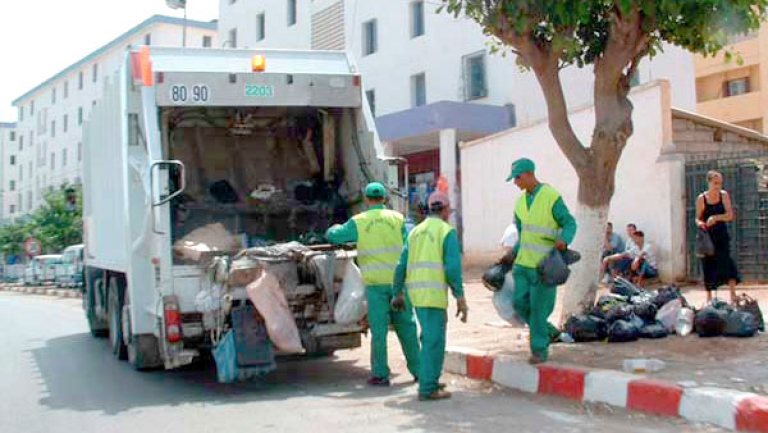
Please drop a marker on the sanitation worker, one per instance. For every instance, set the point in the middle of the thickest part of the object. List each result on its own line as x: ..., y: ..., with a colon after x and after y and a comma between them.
x: 543, y: 222
x: 380, y: 233
x: 429, y: 265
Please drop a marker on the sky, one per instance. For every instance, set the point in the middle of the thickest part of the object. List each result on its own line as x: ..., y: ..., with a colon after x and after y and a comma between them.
x: 39, y: 38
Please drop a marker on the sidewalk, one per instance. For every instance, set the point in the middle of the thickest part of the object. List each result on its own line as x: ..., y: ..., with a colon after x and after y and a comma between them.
x: 722, y: 381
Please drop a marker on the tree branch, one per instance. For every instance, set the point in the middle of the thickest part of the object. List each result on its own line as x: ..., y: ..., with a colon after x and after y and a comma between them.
x: 546, y: 65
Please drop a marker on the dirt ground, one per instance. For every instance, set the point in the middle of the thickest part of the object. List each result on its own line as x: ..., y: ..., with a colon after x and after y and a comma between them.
x: 724, y: 362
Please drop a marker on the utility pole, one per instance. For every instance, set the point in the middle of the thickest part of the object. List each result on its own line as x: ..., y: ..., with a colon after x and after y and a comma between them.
x: 180, y: 4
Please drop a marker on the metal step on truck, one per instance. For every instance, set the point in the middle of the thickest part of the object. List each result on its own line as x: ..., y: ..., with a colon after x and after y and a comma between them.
x: 198, y: 159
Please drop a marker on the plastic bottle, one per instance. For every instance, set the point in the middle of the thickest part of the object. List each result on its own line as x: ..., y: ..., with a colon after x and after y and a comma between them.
x: 642, y: 365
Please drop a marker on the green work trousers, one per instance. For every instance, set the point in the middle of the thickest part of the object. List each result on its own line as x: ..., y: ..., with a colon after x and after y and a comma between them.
x: 380, y: 315
x: 433, y: 323
x: 534, y: 302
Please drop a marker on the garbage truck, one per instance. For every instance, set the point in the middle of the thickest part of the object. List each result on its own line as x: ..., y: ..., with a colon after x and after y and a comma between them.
x: 203, y: 168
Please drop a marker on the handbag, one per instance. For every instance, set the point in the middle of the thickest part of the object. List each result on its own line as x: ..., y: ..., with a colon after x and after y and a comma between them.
x: 704, y: 245
x: 747, y: 303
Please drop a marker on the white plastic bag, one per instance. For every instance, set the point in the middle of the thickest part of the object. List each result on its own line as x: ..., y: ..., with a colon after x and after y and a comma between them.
x: 684, y: 325
x: 504, y: 302
x: 352, y: 305
x: 268, y: 297
x: 667, y: 315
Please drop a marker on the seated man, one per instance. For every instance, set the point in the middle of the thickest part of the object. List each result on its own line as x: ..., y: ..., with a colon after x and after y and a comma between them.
x: 618, y: 263
x: 644, y: 264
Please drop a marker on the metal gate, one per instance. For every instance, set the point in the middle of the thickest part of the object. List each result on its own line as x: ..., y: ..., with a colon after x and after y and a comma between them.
x: 745, y: 177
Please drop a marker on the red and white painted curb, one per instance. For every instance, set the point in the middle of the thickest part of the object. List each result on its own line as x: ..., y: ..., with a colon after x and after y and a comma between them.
x: 726, y: 408
x: 48, y: 291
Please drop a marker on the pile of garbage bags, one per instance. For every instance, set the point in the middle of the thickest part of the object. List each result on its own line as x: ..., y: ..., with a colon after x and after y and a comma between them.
x: 630, y: 312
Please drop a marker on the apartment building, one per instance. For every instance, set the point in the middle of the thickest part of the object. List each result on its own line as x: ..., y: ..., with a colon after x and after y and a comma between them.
x: 429, y: 77
x: 7, y: 161
x: 47, y: 150
x: 732, y: 90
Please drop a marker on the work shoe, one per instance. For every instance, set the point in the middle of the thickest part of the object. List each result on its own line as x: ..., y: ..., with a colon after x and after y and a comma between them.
x: 440, y: 385
x: 536, y: 359
x: 440, y: 394
x: 378, y: 381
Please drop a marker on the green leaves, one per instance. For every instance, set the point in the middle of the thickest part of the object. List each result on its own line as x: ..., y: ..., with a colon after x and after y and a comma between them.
x: 56, y: 224
x: 580, y: 29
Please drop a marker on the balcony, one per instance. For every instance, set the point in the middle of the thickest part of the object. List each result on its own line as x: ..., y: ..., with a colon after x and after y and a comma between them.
x: 749, y: 51
x: 732, y: 109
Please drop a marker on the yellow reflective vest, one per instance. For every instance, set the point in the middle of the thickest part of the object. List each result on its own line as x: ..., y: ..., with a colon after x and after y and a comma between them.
x: 425, y: 277
x: 379, y: 244
x: 540, y: 230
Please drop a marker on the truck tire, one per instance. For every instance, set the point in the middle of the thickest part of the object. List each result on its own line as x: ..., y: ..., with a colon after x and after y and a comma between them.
x: 98, y: 328
x: 115, y: 308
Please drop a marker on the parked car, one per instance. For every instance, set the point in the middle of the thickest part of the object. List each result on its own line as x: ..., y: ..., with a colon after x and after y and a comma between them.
x: 70, y: 272
x: 41, y: 269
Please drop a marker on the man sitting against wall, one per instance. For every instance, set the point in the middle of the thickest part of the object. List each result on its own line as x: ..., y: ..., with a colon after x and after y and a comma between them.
x: 644, y: 264
x: 618, y: 260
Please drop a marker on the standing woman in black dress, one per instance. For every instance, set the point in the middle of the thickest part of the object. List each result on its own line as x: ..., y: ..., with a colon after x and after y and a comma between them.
x: 713, y: 210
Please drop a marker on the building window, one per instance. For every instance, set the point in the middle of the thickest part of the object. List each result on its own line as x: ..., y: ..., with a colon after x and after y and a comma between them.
x: 79, y: 151
x: 207, y: 41
x: 370, y: 37
x: 21, y: 172
x: 370, y: 95
x: 232, y: 2
x: 93, y: 103
x: 53, y: 96
x: 80, y: 80
x: 95, y: 73
x: 21, y: 142
x: 261, y: 30
x: 418, y: 90
x: 417, y: 19
x: 53, y: 160
x: 31, y: 138
x: 21, y: 114
x: 32, y: 108
x: 291, y: 12
x: 80, y: 116
x: 475, y: 86
x: 12, y: 136
x: 13, y: 208
x: 232, y: 38
x: 63, y: 157
x: 12, y: 185
x: 13, y: 159
x: 736, y: 87
x: 148, y: 39
x: 65, y: 123
x: 29, y: 200
x: 66, y: 89
x: 53, y: 128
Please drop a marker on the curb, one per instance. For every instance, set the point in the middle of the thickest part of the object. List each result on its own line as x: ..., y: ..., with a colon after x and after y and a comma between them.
x: 734, y: 410
x: 62, y: 293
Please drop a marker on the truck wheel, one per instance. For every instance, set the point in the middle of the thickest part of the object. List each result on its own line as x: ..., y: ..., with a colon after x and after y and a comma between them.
x: 97, y: 327
x: 115, y: 320
x: 143, y: 351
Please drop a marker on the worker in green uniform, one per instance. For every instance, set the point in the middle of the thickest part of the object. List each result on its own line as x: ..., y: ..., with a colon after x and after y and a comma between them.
x: 544, y: 222
x: 380, y: 234
x: 431, y: 263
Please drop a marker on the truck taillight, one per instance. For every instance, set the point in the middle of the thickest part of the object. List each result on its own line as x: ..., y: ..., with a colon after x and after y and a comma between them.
x: 172, y: 319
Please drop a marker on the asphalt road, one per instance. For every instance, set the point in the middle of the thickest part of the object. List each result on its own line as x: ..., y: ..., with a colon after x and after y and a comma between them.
x: 54, y: 377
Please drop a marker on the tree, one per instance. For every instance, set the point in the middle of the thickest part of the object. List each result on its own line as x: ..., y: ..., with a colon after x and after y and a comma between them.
x: 612, y: 36
x: 12, y: 237
x: 58, y: 222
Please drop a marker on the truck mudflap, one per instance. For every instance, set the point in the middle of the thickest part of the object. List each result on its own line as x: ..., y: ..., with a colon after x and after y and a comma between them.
x: 329, y: 337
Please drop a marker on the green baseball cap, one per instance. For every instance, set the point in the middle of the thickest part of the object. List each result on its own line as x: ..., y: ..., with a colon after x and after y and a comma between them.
x: 521, y: 166
x: 375, y: 190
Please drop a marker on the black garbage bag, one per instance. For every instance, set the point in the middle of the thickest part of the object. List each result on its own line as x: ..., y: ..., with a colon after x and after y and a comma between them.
x: 606, y: 303
x: 223, y: 192
x: 553, y: 270
x: 618, y: 312
x: 644, y: 296
x: 622, y: 331
x: 493, y: 278
x: 637, y: 322
x: 741, y: 324
x: 646, y: 311
x: 746, y: 303
x: 710, y: 321
x: 584, y: 328
x: 666, y: 294
x: 624, y: 287
x: 653, y: 330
